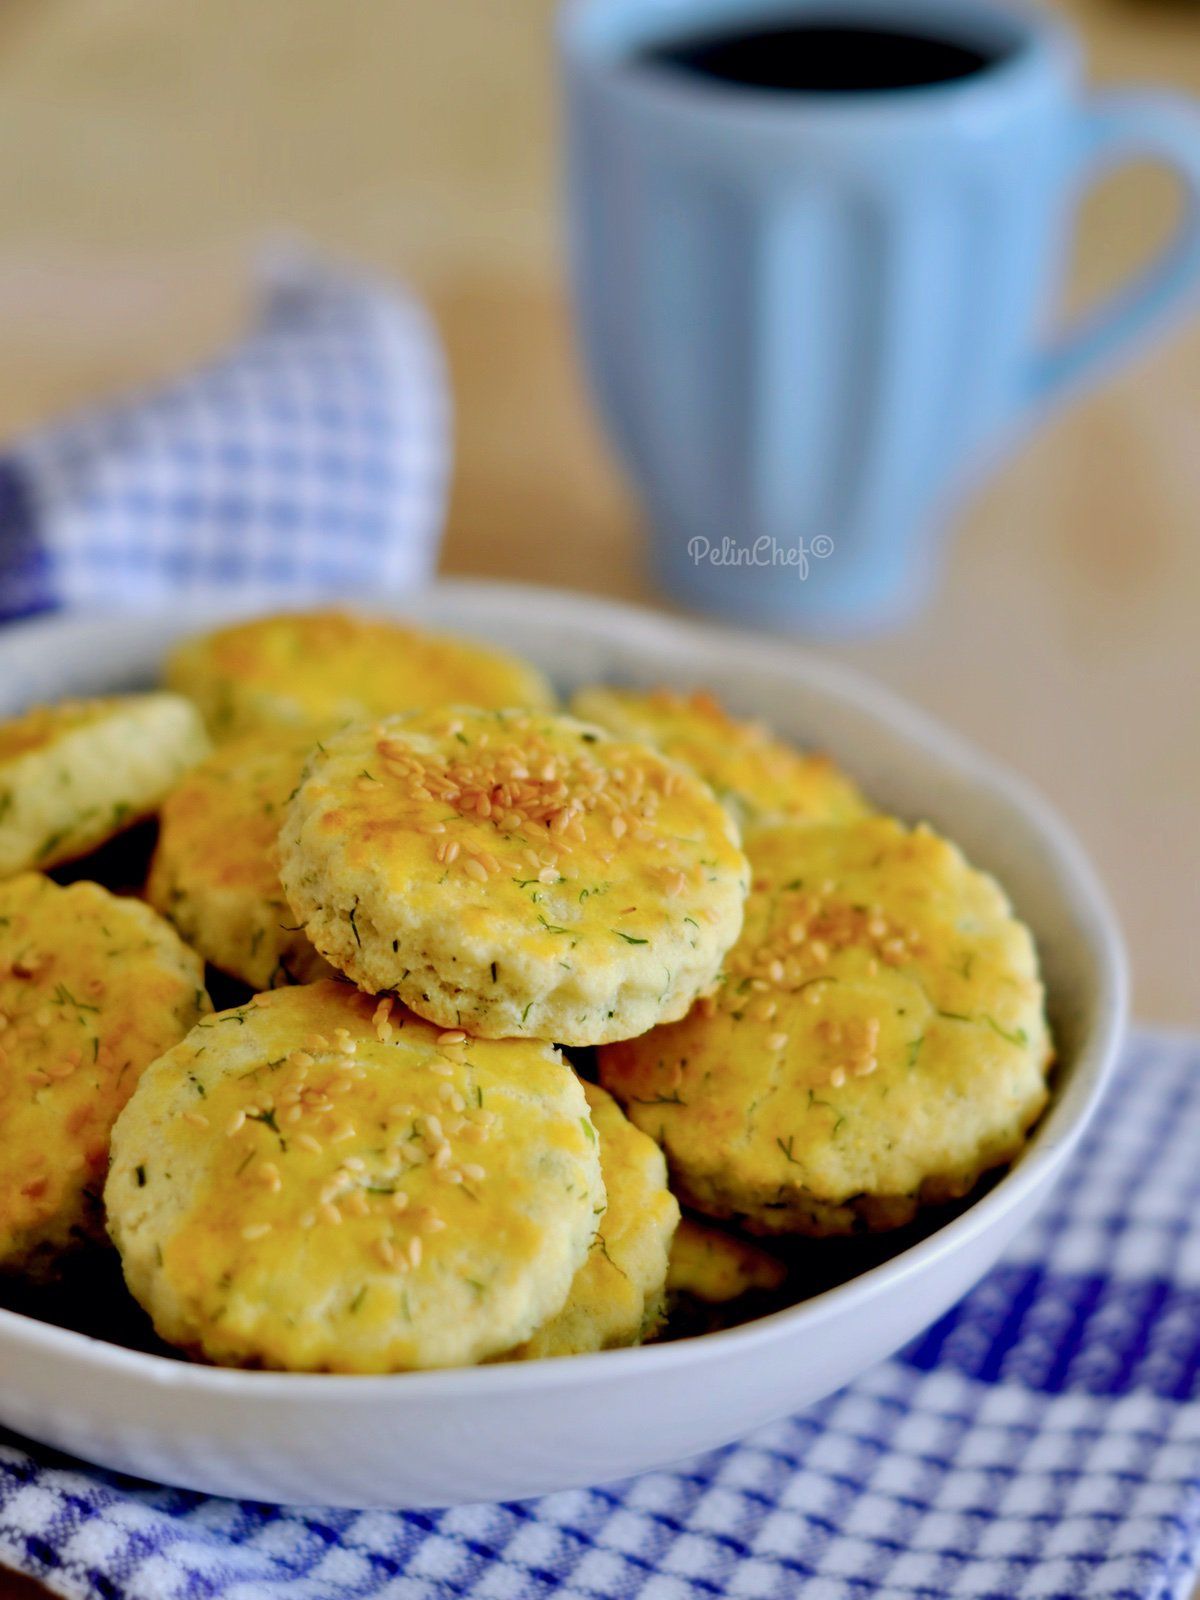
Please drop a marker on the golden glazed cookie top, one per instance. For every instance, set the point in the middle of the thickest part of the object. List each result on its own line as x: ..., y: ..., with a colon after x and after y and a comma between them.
x: 324, y: 668
x: 878, y: 1032
x: 215, y: 871
x: 73, y: 775
x: 42, y: 725
x: 716, y: 1267
x: 617, y: 1297
x: 553, y: 880
x: 320, y: 1181
x: 759, y: 777
x: 92, y: 988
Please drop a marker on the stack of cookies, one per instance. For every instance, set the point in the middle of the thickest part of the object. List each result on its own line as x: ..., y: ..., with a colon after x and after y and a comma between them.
x: 516, y: 982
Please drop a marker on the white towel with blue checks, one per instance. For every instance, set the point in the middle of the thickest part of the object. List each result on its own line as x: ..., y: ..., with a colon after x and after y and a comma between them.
x: 1041, y: 1442
x: 311, y: 458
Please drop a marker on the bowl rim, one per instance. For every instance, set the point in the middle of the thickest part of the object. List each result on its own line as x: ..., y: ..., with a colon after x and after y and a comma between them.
x: 1049, y: 1147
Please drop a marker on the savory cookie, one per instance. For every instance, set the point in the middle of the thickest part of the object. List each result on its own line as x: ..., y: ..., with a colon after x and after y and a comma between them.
x: 324, y: 668
x: 513, y: 873
x: 618, y: 1296
x: 319, y: 1181
x: 214, y: 871
x: 92, y: 989
x: 714, y: 1266
x: 75, y: 774
x: 877, y: 1040
x: 759, y: 777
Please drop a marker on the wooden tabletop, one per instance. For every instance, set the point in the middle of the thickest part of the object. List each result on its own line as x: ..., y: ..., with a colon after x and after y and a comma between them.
x: 144, y: 149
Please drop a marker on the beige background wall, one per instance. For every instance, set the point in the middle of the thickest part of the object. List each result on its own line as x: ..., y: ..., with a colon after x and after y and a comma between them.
x: 145, y: 146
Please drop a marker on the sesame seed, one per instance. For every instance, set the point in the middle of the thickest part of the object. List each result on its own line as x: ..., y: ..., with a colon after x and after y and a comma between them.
x: 305, y: 1141
x: 474, y: 868
x: 399, y: 1200
x: 415, y: 1251
x: 433, y: 1128
x: 196, y: 1118
x: 236, y: 1123
x: 837, y: 1077
x: 256, y: 1230
x: 474, y: 1172
x: 777, y: 1041
x: 452, y: 1036
x: 331, y: 1214
x: 386, y: 1251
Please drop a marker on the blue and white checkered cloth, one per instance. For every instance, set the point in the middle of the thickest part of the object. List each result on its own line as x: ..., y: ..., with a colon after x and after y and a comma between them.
x: 1041, y: 1442
x: 312, y: 457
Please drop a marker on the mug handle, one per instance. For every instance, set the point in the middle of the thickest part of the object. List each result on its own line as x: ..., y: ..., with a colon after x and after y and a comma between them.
x: 1116, y: 128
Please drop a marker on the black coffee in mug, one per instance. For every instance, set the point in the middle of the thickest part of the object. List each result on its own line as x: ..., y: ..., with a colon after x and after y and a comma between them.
x: 816, y: 56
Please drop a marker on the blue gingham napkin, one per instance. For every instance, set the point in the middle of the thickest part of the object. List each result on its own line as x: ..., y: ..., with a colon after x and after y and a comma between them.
x: 1041, y: 1442
x: 312, y: 456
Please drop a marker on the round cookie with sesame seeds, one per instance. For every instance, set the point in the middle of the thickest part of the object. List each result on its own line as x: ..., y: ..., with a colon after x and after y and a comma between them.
x: 214, y: 872
x: 877, y: 1040
x: 320, y: 1181
x: 619, y: 1294
x: 92, y: 989
x: 75, y: 774
x: 513, y: 873
x: 756, y: 775
x: 324, y: 668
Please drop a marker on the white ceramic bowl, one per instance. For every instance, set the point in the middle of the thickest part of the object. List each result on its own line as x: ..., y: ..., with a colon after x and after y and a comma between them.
x: 506, y: 1432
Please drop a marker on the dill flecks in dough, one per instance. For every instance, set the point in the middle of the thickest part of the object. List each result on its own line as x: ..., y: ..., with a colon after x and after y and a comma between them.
x: 321, y: 669
x: 618, y: 1296
x: 877, y: 1040
x: 74, y: 775
x: 92, y: 989
x: 756, y: 775
x: 514, y: 874
x: 320, y: 1181
x: 215, y: 873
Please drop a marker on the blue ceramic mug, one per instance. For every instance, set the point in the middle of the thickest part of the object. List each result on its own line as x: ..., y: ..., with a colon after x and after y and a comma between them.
x: 807, y: 315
